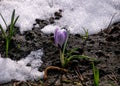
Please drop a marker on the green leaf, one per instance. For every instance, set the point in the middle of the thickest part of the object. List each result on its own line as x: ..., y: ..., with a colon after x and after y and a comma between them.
x: 12, y: 18
x: 71, y: 51
x: 4, y: 20
x: 96, y: 75
x: 13, y: 22
x: 86, y: 33
x: 12, y: 27
x: 79, y: 57
x: 3, y: 32
x: 65, y: 44
x: 63, y: 59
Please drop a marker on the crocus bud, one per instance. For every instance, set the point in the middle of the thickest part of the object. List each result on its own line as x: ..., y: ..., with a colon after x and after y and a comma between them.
x: 60, y: 37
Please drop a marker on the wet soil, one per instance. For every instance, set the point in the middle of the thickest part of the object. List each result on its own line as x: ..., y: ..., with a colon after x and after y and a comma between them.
x: 103, y: 46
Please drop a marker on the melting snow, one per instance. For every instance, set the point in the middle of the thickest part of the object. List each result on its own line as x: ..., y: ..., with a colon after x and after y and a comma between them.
x: 93, y: 15
x: 18, y: 70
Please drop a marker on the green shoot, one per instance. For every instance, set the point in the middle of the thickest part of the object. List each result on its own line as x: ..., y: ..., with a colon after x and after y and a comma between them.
x: 66, y: 58
x: 86, y: 34
x: 8, y: 36
x: 96, y: 75
x: 61, y: 38
x: 18, y: 46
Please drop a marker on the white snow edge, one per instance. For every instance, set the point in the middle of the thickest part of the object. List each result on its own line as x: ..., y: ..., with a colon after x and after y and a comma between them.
x: 18, y: 70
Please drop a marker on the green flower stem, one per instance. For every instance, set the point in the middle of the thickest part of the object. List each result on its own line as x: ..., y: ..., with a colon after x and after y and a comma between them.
x: 7, y: 46
x: 62, y: 58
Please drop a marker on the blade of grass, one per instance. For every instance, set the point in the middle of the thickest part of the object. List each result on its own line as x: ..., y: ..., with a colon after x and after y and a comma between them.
x: 86, y: 33
x: 79, y: 57
x: 3, y: 32
x: 12, y: 27
x: 96, y: 75
x: 13, y: 16
x: 71, y: 51
x: 3, y: 20
x: 12, y: 23
x: 15, y: 20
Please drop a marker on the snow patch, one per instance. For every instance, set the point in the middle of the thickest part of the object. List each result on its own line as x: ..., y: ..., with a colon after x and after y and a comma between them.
x: 49, y: 29
x: 93, y: 15
x: 28, y: 10
x: 18, y: 70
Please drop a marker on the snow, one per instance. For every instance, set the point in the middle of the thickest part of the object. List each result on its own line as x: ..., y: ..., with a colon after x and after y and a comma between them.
x: 28, y: 10
x: 18, y: 70
x: 93, y: 15
x: 49, y: 29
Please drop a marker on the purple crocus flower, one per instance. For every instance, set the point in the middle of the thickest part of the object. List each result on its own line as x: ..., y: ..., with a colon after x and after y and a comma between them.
x: 60, y: 37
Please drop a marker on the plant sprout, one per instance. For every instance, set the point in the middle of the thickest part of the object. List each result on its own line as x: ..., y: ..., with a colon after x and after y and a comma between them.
x: 86, y: 34
x: 96, y: 75
x: 61, y: 38
x: 8, y: 35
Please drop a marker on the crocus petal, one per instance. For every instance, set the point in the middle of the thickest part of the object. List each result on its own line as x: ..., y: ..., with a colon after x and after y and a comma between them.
x: 65, y: 34
x: 55, y: 37
x: 60, y: 39
x: 56, y: 30
x: 60, y: 36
